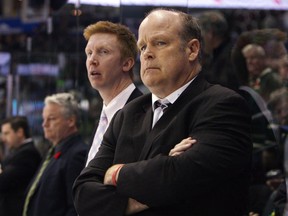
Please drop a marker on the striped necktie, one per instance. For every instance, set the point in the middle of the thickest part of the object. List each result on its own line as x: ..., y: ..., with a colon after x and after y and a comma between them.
x: 102, y: 126
x: 36, y: 180
x: 159, y: 109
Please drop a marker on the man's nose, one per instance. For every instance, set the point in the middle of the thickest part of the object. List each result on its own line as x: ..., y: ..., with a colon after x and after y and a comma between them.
x: 148, y: 53
x: 93, y: 59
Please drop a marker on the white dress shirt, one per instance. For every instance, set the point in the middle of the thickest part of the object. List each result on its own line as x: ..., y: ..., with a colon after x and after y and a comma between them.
x: 169, y: 99
x: 115, y: 104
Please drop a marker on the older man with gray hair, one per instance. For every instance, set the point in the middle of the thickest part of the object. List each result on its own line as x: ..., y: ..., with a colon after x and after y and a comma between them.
x: 50, y: 192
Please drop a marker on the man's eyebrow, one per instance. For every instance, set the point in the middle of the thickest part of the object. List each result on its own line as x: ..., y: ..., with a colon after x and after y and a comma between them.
x: 140, y: 43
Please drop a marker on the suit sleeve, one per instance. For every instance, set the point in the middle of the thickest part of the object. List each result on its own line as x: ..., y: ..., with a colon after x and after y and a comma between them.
x: 23, y: 167
x: 74, y: 166
x: 91, y: 196
x: 224, y: 146
x: 222, y: 152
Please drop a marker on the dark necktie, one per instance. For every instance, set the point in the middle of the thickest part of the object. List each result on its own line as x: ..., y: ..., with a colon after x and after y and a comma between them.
x: 159, y: 109
x: 36, y: 180
x: 163, y: 106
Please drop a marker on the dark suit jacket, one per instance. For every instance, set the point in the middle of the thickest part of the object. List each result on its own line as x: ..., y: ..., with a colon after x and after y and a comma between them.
x: 53, y: 195
x: 136, y: 93
x: 18, y: 169
x: 211, y: 178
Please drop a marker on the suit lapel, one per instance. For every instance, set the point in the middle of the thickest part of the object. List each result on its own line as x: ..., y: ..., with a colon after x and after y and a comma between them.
x: 192, y: 91
x: 136, y: 93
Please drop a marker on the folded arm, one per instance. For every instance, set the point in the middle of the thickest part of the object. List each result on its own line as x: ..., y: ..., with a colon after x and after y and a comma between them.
x: 111, y: 175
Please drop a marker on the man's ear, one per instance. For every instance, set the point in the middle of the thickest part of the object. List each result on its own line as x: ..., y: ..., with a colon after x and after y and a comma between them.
x: 128, y: 64
x: 72, y: 121
x: 193, y: 49
x: 20, y: 132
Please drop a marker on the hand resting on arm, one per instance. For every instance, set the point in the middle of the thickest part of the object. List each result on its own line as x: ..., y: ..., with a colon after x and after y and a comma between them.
x: 112, y: 173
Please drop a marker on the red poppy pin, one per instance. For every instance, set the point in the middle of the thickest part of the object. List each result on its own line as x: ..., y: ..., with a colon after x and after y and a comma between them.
x: 57, y: 155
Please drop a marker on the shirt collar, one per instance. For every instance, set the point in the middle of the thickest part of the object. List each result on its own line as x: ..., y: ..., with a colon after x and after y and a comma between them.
x: 60, y: 145
x: 23, y: 143
x: 118, y: 102
x: 27, y: 140
x: 173, y: 96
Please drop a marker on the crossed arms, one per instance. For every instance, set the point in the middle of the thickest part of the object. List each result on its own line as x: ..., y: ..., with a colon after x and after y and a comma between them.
x: 112, y: 174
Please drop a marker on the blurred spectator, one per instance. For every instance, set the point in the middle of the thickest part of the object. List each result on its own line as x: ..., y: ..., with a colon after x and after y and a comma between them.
x: 261, y: 77
x: 283, y: 70
x: 275, y: 50
x: 278, y: 104
x: 217, y: 49
x: 50, y: 193
x: 264, y: 136
x: 18, y: 167
x: 273, y: 43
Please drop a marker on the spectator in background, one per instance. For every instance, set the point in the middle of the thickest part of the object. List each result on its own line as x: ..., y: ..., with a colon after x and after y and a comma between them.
x: 261, y: 77
x: 278, y: 104
x: 283, y: 70
x: 18, y: 167
x: 217, y: 50
x: 273, y: 43
x: 277, y: 205
x: 111, y: 52
x: 264, y: 136
x: 275, y: 50
x: 50, y: 193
